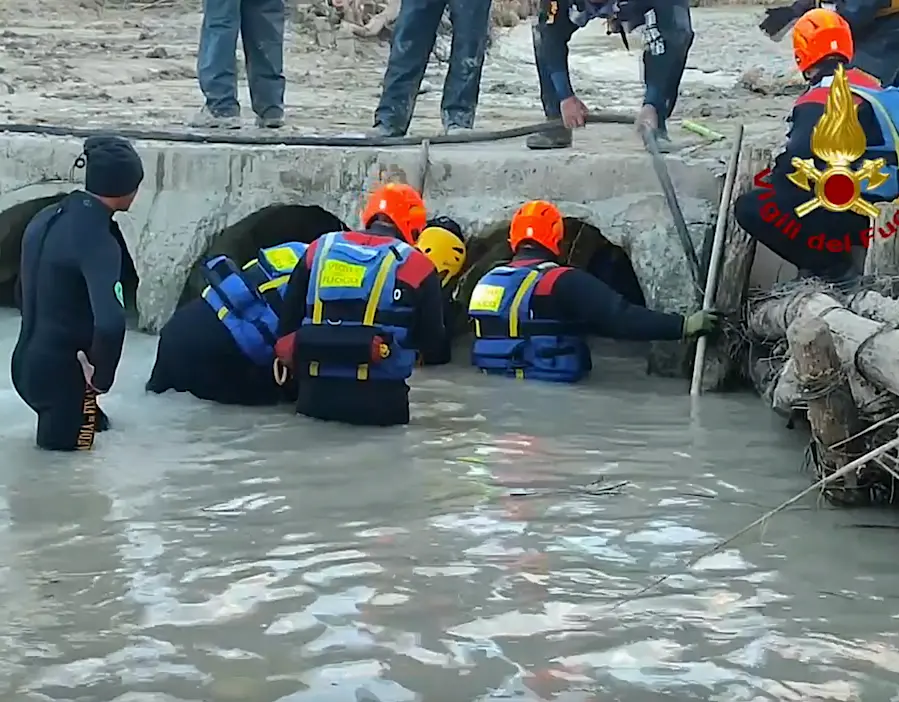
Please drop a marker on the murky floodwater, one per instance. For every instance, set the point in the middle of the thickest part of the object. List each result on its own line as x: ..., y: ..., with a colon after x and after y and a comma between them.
x: 213, y: 554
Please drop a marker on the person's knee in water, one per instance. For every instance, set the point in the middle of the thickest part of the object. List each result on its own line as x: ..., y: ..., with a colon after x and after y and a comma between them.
x: 221, y: 346
x: 443, y: 242
x: 358, y: 308
x: 73, y: 316
x: 822, y: 46
x: 532, y: 315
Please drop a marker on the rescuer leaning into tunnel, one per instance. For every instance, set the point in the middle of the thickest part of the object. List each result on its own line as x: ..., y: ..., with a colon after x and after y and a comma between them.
x: 221, y: 346
x: 532, y: 315
x: 822, y: 44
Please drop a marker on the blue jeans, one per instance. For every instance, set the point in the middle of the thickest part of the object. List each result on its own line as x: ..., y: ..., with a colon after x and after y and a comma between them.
x: 413, y: 41
x: 663, y: 70
x: 260, y: 24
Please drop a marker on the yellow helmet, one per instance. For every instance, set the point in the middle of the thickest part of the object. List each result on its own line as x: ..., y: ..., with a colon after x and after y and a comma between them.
x: 445, y: 248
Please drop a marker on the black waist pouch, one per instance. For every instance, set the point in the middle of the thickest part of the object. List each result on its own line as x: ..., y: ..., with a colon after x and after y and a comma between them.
x: 343, y: 345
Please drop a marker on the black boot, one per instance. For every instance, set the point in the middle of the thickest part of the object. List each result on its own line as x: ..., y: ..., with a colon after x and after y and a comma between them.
x: 102, y: 421
x: 556, y: 138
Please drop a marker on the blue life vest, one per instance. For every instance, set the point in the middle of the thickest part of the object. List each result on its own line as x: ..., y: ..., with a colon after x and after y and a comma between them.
x: 248, y: 300
x: 885, y: 102
x: 510, y: 342
x: 351, y: 312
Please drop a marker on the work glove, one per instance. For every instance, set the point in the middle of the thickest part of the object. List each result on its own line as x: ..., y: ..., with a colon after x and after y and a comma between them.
x: 701, y: 323
x: 778, y: 19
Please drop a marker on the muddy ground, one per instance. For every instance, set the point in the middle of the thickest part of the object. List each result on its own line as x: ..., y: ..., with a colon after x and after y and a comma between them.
x: 134, y: 66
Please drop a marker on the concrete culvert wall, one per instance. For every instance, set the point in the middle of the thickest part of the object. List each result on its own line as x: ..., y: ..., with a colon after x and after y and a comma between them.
x: 269, y: 226
x: 13, y: 222
x: 583, y: 247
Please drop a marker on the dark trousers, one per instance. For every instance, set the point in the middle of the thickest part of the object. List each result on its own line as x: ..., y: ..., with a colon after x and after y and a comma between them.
x: 52, y: 384
x: 260, y: 24
x: 802, y: 242
x: 375, y: 403
x: 197, y: 354
x: 666, y: 47
x: 413, y: 41
x: 664, y: 58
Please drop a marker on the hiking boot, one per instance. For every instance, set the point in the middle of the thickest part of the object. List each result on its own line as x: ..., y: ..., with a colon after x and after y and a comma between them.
x: 382, y: 131
x: 556, y: 138
x: 456, y: 130
x: 272, y: 119
x: 206, y: 119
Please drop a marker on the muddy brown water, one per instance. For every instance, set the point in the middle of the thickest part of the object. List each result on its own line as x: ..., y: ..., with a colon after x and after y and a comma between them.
x: 208, y: 554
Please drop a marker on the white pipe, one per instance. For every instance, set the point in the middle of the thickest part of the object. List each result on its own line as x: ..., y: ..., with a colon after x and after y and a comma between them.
x: 711, y: 281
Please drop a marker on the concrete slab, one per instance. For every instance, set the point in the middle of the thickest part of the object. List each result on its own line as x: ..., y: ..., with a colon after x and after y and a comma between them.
x: 195, y: 194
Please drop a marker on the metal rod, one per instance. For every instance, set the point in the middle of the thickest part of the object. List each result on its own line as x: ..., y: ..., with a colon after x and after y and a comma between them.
x: 711, y: 283
x: 680, y: 225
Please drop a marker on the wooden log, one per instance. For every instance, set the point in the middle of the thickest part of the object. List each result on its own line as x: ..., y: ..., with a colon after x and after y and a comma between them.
x: 831, y: 409
x: 869, y: 346
x: 736, y: 264
x: 882, y: 258
x: 786, y: 394
x: 875, y: 306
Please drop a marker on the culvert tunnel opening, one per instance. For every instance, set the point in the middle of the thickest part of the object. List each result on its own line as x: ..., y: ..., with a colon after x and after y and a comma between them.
x: 12, y: 228
x: 270, y: 226
x: 583, y: 246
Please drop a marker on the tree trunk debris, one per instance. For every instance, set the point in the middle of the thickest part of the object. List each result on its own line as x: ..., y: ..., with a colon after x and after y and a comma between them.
x: 840, y: 368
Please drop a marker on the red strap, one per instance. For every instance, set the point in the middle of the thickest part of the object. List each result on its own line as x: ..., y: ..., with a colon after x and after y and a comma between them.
x: 860, y: 79
x: 284, y: 349
x: 549, y: 279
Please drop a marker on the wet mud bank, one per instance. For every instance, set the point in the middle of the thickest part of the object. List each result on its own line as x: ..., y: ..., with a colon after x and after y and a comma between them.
x: 205, y: 199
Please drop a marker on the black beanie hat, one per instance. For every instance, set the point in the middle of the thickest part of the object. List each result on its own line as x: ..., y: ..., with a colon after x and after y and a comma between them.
x: 113, y: 167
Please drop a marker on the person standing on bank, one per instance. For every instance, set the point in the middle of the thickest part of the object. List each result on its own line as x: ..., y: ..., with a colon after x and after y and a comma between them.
x: 260, y: 24
x: 73, y: 313
x: 667, y: 38
x: 413, y: 41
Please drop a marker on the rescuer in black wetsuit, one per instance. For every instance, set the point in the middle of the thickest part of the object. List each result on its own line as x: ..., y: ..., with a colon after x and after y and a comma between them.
x: 443, y: 242
x: 351, y: 367
x: 668, y: 36
x: 822, y: 41
x: 531, y: 316
x: 220, y: 347
x: 73, y: 315
x: 874, y: 25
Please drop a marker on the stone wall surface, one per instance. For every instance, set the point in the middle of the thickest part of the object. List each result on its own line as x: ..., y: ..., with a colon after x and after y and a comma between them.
x: 193, y: 192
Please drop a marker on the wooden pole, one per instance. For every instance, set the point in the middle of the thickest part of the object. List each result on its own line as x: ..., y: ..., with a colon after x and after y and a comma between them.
x: 711, y: 280
x: 733, y: 278
x: 831, y: 408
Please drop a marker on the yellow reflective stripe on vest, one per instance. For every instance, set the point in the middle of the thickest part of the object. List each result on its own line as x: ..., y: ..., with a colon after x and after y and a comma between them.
x: 884, y: 115
x: 371, y: 307
x: 891, y: 10
x: 250, y: 263
x: 317, y: 307
x: 276, y: 283
x: 523, y: 289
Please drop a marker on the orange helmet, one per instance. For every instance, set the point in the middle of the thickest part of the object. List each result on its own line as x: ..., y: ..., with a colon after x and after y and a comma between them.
x: 402, y: 205
x: 538, y: 221
x: 820, y: 33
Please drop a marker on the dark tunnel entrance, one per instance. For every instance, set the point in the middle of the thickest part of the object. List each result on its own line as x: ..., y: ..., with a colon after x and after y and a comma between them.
x: 583, y: 246
x: 269, y: 226
x: 12, y: 227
